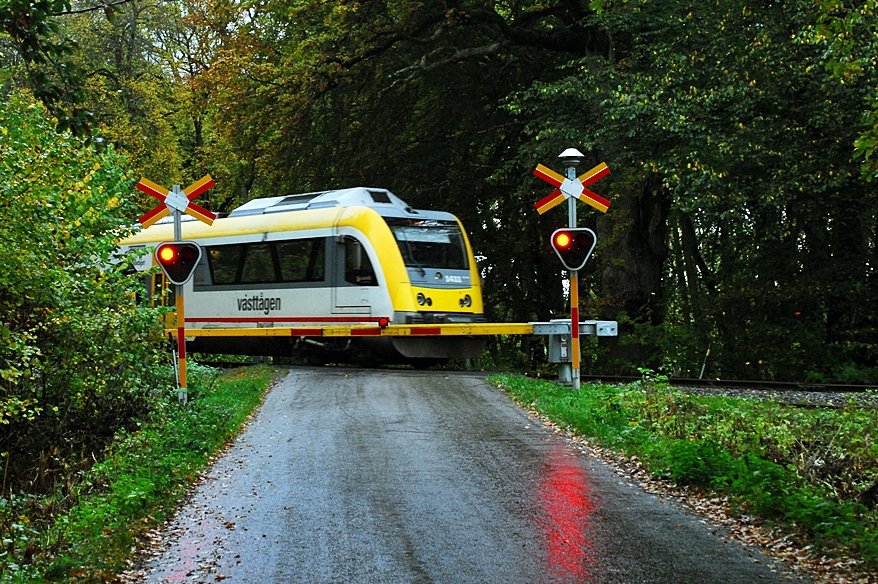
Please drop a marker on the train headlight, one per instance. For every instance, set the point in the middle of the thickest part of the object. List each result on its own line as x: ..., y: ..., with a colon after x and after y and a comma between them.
x: 421, y: 298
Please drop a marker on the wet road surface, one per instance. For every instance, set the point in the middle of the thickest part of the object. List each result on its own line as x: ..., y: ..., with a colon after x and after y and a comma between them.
x: 374, y: 476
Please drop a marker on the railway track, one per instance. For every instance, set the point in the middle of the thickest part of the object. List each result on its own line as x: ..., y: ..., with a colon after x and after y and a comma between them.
x: 719, y: 384
x: 782, y: 386
x: 803, y: 395
x: 807, y: 395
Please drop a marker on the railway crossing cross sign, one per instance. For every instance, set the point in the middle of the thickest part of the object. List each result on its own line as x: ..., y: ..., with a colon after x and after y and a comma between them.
x: 571, y: 188
x: 178, y: 201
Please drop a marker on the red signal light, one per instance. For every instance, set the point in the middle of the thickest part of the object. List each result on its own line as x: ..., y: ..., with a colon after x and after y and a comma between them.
x: 574, y: 246
x: 167, y: 253
x: 562, y: 239
x: 383, y: 321
x: 178, y: 260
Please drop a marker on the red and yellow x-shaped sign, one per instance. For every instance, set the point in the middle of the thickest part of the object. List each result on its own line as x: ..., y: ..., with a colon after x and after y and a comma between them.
x: 572, y: 188
x: 179, y: 201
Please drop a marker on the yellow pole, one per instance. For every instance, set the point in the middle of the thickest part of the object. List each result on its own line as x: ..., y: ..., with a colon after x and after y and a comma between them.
x: 574, y: 277
x: 574, y: 326
x: 182, y: 392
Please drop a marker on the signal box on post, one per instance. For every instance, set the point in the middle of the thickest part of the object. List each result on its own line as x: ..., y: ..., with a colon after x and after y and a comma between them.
x: 574, y: 246
x: 178, y: 260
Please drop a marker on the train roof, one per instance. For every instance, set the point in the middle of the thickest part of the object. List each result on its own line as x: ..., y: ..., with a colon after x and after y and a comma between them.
x: 383, y: 201
x: 354, y: 197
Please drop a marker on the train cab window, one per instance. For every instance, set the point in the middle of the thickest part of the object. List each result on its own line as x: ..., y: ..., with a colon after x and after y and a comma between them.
x: 429, y: 243
x: 357, y: 267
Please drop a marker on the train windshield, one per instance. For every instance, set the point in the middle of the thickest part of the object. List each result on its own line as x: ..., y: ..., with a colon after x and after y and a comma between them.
x: 429, y: 243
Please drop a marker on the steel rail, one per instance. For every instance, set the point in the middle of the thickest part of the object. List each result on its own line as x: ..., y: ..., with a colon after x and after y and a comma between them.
x: 742, y: 384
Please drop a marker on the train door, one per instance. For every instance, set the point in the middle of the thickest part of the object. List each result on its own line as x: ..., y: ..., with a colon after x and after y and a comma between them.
x: 355, y: 280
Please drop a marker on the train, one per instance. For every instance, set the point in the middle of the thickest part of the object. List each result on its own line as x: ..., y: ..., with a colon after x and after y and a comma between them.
x: 355, y: 256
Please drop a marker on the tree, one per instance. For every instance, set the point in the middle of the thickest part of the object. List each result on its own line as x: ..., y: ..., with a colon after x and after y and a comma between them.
x: 739, y: 219
x: 846, y: 33
x: 313, y: 95
x: 32, y: 32
x: 143, y: 91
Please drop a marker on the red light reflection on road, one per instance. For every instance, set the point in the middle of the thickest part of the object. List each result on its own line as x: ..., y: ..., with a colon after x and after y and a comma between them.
x: 566, y: 504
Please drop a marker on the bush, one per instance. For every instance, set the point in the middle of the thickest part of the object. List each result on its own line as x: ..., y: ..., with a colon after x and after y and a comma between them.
x: 134, y: 486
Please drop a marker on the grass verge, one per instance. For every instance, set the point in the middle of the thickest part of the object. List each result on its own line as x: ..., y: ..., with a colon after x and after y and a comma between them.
x: 812, y: 470
x: 139, y: 482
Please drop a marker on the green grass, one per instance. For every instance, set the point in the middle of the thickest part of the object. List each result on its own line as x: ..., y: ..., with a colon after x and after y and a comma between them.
x: 800, y: 468
x: 137, y: 485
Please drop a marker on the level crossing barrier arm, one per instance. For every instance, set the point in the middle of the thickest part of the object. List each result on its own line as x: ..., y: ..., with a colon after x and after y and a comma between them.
x: 590, y: 327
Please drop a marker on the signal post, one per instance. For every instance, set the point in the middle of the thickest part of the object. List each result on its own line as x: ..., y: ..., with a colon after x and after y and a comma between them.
x: 179, y: 258
x: 573, y: 245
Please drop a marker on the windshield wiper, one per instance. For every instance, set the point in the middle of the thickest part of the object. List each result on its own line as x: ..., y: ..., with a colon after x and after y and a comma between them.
x: 412, y: 257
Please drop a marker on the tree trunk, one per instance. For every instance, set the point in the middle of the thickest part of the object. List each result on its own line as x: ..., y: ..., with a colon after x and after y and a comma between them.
x: 634, y: 249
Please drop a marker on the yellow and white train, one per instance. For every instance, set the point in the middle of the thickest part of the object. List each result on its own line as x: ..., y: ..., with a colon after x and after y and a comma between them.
x: 346, y: 257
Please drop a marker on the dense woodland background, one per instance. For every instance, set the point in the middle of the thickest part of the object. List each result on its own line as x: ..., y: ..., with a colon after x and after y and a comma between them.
x: 741, y: 135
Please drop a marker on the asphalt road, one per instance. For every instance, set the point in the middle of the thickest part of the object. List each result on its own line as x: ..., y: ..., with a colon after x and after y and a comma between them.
x: 373, y: 476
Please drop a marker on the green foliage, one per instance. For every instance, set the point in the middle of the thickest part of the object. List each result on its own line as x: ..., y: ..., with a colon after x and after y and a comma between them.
x: 142, y: 94
x: 142, y: 475
x: 51, y: 74
x: 846, y: 32
x: 697, y: 463
x: 802, y: 467
x: 406, y: 96
x: 65, y: 302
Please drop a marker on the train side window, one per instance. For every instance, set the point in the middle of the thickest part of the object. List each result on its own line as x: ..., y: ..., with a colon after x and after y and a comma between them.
x: 288, y: 261
x: 224, y: 263
x: 357, y: 267
x: 201, y: 277
x: 258, y: 264
x: 301, y: 260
